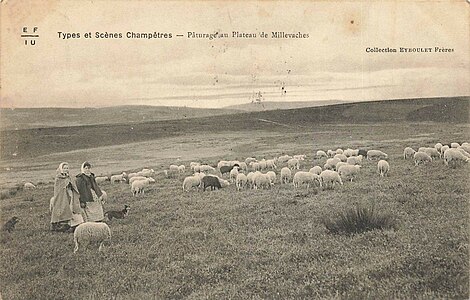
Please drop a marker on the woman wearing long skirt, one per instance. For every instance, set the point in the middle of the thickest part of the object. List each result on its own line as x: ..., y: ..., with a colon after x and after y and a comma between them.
x: 65, y: 205
x: 91, y: 196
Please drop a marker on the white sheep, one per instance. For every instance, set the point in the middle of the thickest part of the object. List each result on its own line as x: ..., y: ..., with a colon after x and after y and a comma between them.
x: 321, y: 153
x: 376, y: 154
x: 136, y: 178
x: 351, y: 152
x: 443, y: 149
x: 348, y: 172
x: 249, y: 160
x: 223, y: 163
x: 286, y: 175
x: 315, y: 170
x: 454, y: 156
x: 339, y: 151
x: 430, y: 151
x: 421, y: 157
x: 408, y: 152
x: 146, y: 172
x: 283, y: 158
x: 271, y: 164
x: 330, y: 153
x: 383, y: 167
x: 181, y: 169
x: 191, y: 181
x: 138, y: 186
x: 330, y: 178
x: 130, y: 175
x: 341, y: 163
x: 454, y: 145
x: 29, y: 185
x: 241, y: 181
x: 303, y: 177
x: 255, y: 166
x: 438, y: 147
x: 206, y: 168
x: 263, y: 164
x: 118, y: 178
x: 341, y: 157
x: 173, y: 170
x: 243, y: 166
x: 331, y: 163
x: 262, y: 180
x: 272, y: 177
x: 293, y: 163
x: 354, y: 160
x: 250, y: 180
x: 101, y: 179
x: 233, y: 174
x: 193, y: 164
x: 300, y: 156
x: 91, y: 232
x: 462, y: 150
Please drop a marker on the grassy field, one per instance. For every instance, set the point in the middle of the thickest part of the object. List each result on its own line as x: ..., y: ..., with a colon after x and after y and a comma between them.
x: 256, y: 244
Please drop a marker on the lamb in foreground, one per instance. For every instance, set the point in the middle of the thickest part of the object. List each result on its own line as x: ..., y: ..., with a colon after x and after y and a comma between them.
x: 329, y: 178
x: 303, y: 177
x: 348, y: 171
x: 421, y: 157
x: 91, y: 232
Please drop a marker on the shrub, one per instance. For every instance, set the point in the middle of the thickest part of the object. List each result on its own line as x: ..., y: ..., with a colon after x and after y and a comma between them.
x: 359, y: 219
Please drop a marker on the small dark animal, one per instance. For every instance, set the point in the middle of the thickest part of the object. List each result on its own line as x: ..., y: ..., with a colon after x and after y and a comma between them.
x: 118, y: 214
x: 227, y: 169
x: 10, y: 224
x: 210, y: 181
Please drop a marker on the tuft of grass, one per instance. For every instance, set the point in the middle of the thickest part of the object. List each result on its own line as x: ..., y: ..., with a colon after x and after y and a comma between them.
x: 359, y: 219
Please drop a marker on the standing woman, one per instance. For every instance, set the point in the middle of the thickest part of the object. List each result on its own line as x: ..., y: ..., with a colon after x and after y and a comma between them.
x: 91, y: 196
x: 65, y: 205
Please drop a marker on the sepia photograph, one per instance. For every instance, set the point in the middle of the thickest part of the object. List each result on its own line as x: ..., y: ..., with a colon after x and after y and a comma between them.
x: 234, y: 149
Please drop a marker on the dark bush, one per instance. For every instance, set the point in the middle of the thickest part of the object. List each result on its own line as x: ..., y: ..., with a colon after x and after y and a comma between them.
x: 359, y: 219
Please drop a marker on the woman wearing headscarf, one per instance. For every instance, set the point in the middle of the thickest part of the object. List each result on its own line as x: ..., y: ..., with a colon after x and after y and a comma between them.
x: 65, y: 205
x: 91, y: 196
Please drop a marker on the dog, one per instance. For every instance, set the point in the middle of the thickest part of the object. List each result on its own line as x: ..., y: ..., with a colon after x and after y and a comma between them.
x: 118, y: 214
x: 10, y: 224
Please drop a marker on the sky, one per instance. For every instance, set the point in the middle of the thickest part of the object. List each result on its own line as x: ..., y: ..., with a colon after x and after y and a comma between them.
x: 331, y: 64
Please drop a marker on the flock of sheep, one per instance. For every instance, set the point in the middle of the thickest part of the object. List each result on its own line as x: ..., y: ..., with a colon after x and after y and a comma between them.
x: 339, y: 166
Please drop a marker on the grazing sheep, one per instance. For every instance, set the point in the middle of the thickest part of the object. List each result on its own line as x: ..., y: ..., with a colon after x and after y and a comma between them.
x: 286, y: 175
x: 250, y: 180
x: 271, y: 164
x: 383, y: 167
x: 136, y: 178
x: 300, y: 156
x: 227, y: 169
x: 303, y: 177
x: 181, y: 169
x: 315, y: 170
x: 376, y: 154
x: 262, y: 164
x: 341, y: 163
x: 249, y: 160
x: 272, y: 177
x: 101, y: 179
x: 454, y: 156
x: 173, y: 170
x: 465, y: 147
x: 223, y: 163
x: 138, y: 186
x: 330, y: 153
x: 339, y: 151
x: 408, y: 152
x: 255, y: 166
x: 321, y: 153
x: 91, y: 232
x: 262, y: 180
x: 351, y: 152
x: 213, y: 182
x: 341, y: 157
x: 454, y: 145
x: 118, y: 214
x: 29, y: 185
x: 146, y: 173
x: 130, y: 175
x: 293, y: 163
x: 206, y: 168
x: 443, y: 149
x: 354, y: 160
x: 10, y: 224
x: 438, y: 147
x: 241, y: 181
x: 330, y: 178
x: 191, y: 182
x: 193, y: 164
x: 284, y: 158
x: 430, y: 151
x: 233, y: 173
x: 349, y: 172
x: 118, y: 178
x: 243, y: 166
x: 421, y: 157
x: 331, y: 163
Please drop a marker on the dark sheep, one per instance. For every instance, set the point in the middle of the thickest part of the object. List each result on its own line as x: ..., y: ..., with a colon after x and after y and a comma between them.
x: 210, y: 181
x: 118, y: 214
x: 362, y: 152
x: 227, y: 169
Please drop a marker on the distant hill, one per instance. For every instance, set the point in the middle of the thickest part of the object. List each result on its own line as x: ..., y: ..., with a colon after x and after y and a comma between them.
x: 16, y: 144
x: 24, y: 118
x: 273, y: 105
